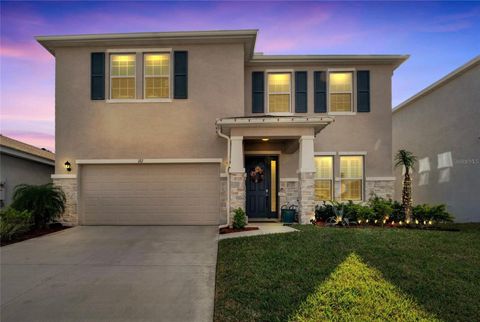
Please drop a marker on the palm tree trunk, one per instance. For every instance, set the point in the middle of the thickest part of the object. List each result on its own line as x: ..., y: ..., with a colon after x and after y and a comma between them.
x: 407, y: 196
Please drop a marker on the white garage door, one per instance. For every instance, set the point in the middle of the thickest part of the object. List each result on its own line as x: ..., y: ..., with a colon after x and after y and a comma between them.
x: 150, y: 194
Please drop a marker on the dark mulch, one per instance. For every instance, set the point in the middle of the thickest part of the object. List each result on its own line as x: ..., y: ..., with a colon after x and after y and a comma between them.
x: 36, y: 232
x: 233, y: 230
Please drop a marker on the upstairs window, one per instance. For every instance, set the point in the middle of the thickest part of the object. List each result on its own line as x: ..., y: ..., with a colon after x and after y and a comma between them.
x: 279, y: 92
x: 324, y: 178
x: 122, y: 76
x: 157, y: 75
x: 340, y: 87
x: 351, y: 176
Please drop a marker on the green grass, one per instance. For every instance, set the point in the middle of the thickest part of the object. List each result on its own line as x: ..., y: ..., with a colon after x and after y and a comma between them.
x: 350, y: 275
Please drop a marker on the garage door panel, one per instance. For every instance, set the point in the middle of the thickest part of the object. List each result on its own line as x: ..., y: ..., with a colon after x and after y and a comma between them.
x: 149, y: 194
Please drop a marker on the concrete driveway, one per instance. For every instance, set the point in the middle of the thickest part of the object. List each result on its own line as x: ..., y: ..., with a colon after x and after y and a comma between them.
x: 111, y: 273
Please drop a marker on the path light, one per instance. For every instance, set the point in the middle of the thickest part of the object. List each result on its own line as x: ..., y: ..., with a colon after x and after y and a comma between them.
x: 384, y: 221
x: 416, y: 221
x: 367, y: 221
x: 400, y: 222
x: 408, y: 222
x: 424, y: 222
x: 429, y: 222
x: 68, y: 166
x: 359, y: 221
x: 376, y: 221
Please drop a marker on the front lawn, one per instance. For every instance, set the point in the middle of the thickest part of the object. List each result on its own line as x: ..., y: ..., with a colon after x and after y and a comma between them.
x: 350, y: 275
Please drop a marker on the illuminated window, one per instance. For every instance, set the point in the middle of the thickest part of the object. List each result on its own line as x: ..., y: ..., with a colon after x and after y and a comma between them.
x: 340, y: 87
x: 351, y: 176
x: 279, y: 92
x: 157, y: 75
x: 122, y: 76
x: 323, y: 178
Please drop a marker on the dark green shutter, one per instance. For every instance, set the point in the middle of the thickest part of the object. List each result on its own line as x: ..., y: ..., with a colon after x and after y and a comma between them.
x: 180, y: 75
x: 258, y: 92
x: 363, y: 91
x: 320, y: 92
x: 300, y: 92
x: 97, y: 72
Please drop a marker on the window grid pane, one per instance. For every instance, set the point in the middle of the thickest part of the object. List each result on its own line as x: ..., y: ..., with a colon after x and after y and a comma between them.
x: 123, y: 87
x: 157, y: 87
x: 351, y: 167
x: 351, y: 190
x: 341, y: 102
x: 279, y: 102
x: 324, y: 167
x: 123, y: 65
x: 157, y: 65
x: 323, y: 190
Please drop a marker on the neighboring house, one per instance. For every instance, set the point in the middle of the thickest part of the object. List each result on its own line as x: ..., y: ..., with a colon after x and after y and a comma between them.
x: 22, y: 163
x: 159, y: 126
x: 441, y: 126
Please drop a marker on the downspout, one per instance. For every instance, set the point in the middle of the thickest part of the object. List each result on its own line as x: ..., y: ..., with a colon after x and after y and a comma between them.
x: 227, y: 173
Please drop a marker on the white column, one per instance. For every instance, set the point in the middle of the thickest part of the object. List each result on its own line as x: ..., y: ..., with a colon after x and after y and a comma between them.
x: 306, y: 157
x: 236, y: 163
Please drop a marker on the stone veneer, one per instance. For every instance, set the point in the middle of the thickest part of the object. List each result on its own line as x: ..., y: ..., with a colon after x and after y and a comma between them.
x: 288, y: 191
x: 223, y: 200
x: 306, y: 189
x: 381, y: 188
x: 237, y: 192
x: 69, y: 187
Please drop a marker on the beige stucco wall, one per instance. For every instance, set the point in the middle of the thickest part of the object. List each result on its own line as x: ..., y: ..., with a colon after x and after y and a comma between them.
x: 87, y: 129
x: 364, y: 132
x: 15, y: 171
x: 444, y: 121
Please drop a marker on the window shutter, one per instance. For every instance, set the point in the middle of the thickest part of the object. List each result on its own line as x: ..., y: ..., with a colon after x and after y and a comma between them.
x: 320, y: 92
x: 180, y: 75
x: 97, y: 72
x: 258, y: 92
x: 300, y: 92
x: 363, y: 91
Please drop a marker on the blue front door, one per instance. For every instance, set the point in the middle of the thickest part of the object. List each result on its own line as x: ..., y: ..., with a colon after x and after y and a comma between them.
x: 259, y: 183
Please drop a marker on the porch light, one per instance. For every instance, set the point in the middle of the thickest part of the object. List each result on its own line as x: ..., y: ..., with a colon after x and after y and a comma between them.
x: 265, y: 139
x: 68, y: 166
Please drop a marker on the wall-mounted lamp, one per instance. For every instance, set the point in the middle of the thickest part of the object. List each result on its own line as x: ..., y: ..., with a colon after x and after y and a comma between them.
x: 68, y: 166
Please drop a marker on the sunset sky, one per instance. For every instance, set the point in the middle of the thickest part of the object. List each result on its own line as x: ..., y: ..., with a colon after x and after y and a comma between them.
x: 439, y: 36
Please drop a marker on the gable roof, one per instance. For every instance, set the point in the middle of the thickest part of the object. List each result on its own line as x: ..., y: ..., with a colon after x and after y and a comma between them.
x: 20, y: 149
x: 449, y: 77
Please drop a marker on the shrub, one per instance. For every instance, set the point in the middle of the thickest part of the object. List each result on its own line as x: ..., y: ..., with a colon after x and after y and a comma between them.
x: 381, y: 207
x: 239, y: 219
x: 397, y: 211
x: 14, y: 223
x: 46, y: 202
x: 436, y: 213
x: 323, y: 212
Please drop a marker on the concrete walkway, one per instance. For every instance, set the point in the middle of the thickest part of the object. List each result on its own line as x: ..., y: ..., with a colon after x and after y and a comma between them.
x: 107, y: 273
x: 264, y: 228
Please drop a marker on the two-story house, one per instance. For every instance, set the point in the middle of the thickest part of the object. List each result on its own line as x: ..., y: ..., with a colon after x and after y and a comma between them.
x: 180, y: 128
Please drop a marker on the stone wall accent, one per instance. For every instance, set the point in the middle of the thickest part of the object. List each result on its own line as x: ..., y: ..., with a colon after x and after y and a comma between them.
x: 237, y: 192
x: 382, y: 188
x: 223, y: 200
x: 306, y: 189
x: 69, y: 187
x: 288, y: 192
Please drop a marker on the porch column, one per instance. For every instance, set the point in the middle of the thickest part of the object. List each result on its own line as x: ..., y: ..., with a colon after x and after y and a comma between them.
x: 237, y: 175
x: 306, y: 182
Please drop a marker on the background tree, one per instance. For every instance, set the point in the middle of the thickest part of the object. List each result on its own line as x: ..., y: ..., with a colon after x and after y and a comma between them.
x: 407, y: 159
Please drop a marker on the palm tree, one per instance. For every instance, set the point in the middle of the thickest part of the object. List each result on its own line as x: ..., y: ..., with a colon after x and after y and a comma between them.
x: 46, y: 202
x: 407, y: 159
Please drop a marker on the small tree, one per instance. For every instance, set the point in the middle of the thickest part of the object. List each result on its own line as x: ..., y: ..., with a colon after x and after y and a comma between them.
x: 407, y: 159
x: 239, y: 219
x: 45, y: 202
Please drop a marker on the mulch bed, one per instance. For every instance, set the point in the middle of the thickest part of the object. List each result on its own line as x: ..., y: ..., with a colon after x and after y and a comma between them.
x: 232, y: 230
x: 35, y: 233
x: 322, y: 224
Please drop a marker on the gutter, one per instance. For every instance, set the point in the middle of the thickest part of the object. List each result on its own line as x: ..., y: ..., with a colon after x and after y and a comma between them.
x: 227, y: 173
